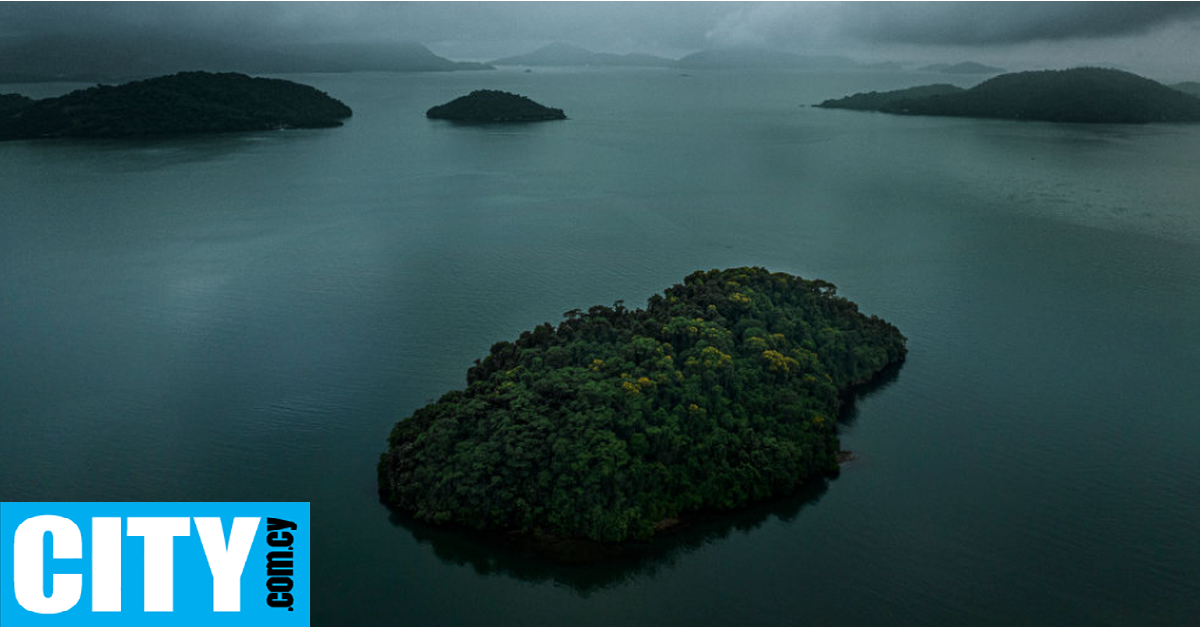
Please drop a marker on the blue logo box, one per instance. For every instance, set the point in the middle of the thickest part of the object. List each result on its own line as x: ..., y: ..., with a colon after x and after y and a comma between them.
x: 154, y: 564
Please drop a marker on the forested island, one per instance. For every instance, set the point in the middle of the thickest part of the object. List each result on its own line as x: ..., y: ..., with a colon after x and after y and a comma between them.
x: 724, y: 390
x: 1077, y: 95
x: 489, y: 105
x: 180, y: 104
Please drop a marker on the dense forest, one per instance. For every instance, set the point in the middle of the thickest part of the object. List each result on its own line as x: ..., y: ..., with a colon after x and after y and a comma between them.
x: 13, y: 102
x: 489, y: 105
x: 724, y: 390
x: 1076, y: 95
x: 184, y: 103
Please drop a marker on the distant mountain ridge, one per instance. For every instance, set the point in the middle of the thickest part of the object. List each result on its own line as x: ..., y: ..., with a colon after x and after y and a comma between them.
x: 103, y: 58
x: 404, y: 56
x: 757, y: 57
x: 966, y: 67
x: 1094, y: 95
x: 736, y: 57
x: 563, y: 54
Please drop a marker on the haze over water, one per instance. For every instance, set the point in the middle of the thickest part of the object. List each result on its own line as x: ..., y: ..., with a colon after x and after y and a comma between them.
x: 245, y: 317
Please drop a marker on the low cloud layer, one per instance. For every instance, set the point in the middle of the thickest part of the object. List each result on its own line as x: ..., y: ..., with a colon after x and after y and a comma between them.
x: 985, y: 23
x: 483, y: 30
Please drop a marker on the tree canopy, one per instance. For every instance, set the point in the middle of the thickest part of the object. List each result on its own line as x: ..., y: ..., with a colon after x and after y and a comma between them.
x: 183, y: 103
x: 489, y: 105
x: 724, y: 390
x: 13, y: 102
x: 876, y: 101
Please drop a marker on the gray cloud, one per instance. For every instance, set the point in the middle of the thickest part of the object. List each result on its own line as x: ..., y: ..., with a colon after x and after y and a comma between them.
x: 959, y: 23
x: 483, y: 30
x: 608, y: 25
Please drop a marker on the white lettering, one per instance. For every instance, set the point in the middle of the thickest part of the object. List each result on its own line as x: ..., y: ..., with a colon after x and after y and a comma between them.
x: 226, y: 563
x: 106, y: 564
x: 160, y: 533
x: 66, y: 542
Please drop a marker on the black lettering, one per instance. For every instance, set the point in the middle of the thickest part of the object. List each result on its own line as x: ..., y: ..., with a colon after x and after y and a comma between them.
x: 279, y: 564
x: 280, y: 538
x: 274, y: 524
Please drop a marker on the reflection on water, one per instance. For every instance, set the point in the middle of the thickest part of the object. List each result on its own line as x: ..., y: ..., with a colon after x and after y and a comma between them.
x: 141, y: 156
x: 884, y: 379
x: 586, y: 566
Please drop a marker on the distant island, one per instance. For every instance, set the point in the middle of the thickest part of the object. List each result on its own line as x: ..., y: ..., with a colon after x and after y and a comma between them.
x: 614, y: 424
x: 966, y: 67
x: 1095, y: 95
x: 181, y: 104
x: 488, y: 105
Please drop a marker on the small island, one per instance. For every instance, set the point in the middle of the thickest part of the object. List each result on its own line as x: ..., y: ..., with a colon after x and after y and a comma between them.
x: 616, y: 423
x: 186, y: 103
x: 1092, y: 95
x: 489, y: 105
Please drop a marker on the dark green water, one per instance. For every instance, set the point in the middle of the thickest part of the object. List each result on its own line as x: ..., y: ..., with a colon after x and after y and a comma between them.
x: 245, y: 317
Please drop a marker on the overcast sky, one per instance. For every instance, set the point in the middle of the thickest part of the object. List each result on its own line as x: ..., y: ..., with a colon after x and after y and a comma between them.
x: 1153, y: 38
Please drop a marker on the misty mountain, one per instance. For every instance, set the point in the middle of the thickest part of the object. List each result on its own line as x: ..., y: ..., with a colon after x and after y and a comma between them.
x: 1188, y: 87
x: 99, y: 57
x: 756, y: 57
x: 739, y: 57
x: 563, y: 55
x: 892, y: 66
x: 966, y: 67
x: 380, y: 56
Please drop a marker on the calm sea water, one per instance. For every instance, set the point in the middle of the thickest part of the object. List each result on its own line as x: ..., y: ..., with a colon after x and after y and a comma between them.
x: 244, y: 318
